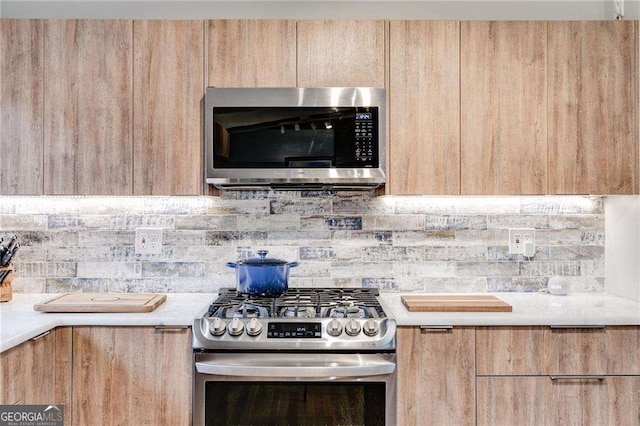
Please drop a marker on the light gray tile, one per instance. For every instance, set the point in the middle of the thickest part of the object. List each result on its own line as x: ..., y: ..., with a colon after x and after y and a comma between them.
x: 506, y: 221
x: 343, y: 222
x: 384, y: 284
x: 106, y: 238
x: 78, y: 222
x: 537, y: 269
x: 297, y: 238
x: 105, y: 205
x: 575, y: 237
x: 237, y: 238
x: 316, y: 253
x: 175, y: 205
x: 208, y: 222
x: 23, y: 222
x: 516, y: 284
x: 28, y: 285
x: 224, y: 206
x: 424, y: 269
x: 109, y: 270
x: 454, y: 285
x: 468, y: 253
x: 77, y: 285
x: 311, y: 269
x: 359, y: 269
x: 78, y: 254
x: 455, y: 221
x: 480, y: 269
x: 586, y: 284
x: 45, y: 238
x: 46, y: 269
x: 203, y: 253
x: 308, y: 206
x: 287, y: 253
x: 315, y: 282
x: 271, y: 222
x: 41, y: 205
x: 131, y: 222
x: 199, y: 285
x: 143, y: 285
x: 184, y: 238
x: 128, y: 254
x: 172, y: 269
x: 492, y: 237
x: 387, y: 254
x: 404, y: 222
x: 562, y: 205
x: 576, y: 252
x: 375, y: 205
x: 584, y: 221
x: 423, y: 238
x: 32, y: 254
x: 361, y: 238
x: 501, y: 254
x: 592, y: 268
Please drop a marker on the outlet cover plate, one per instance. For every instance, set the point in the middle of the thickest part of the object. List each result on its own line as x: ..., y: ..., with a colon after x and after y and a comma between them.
x: 148, y: 241
x: 517, y: 238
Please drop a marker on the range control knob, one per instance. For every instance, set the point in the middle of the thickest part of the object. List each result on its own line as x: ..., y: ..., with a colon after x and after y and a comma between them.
x: 217, y: 327
x: 371, y: 328
x: 236, y: 327
x: 352, y: 328
x: 334, y: 328
x: 254, y: 327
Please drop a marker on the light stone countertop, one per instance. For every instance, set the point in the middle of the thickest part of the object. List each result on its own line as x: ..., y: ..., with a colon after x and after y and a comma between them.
x: 528, y: 309
x: 19, y: 322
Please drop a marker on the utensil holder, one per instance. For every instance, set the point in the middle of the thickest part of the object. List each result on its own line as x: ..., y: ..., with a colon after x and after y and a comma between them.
x: 6, y: 291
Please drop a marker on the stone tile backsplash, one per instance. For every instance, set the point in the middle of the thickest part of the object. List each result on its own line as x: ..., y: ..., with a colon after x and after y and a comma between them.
x: 432, y: 244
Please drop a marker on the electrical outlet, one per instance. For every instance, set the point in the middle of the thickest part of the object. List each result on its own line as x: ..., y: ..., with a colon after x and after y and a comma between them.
x: 148, y: 240
x: 518, y: 237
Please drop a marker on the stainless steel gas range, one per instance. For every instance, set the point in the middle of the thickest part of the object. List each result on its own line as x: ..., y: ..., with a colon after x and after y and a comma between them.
x: 309, y: 356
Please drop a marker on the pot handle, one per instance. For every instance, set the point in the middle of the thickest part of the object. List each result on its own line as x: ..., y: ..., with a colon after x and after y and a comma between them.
x: 232, y: 265
x: 293, y: 264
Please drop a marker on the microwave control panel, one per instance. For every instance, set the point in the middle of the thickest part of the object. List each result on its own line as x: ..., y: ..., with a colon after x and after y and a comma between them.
x: 364, y: 137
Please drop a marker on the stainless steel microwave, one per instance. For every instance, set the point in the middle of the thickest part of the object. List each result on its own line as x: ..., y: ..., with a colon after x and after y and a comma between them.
x: 295, y: 137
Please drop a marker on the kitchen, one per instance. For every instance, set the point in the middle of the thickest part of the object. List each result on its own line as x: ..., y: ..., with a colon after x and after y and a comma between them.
x: 102, y: 139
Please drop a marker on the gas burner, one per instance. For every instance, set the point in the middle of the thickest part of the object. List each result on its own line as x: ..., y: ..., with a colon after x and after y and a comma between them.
x: 245, y: 310
x: 347, y: 310
x: 298, y: 312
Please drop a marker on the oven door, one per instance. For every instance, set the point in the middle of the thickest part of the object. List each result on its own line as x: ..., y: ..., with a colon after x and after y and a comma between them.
x: 294, y: 389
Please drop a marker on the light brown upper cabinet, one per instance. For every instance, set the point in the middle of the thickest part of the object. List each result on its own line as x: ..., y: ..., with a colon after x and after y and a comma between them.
x: 168, y: 86
x: 341, y: 53
x: 424, y: 107
x: 593, y: 107
x: 88, y: 117
x: 503, y: 108
x: 21, y: 106
x: 251, y: 53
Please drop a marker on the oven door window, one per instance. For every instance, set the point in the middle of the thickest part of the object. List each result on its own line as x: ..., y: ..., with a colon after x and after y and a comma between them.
x: 294, y: 403
x: 295, y: 137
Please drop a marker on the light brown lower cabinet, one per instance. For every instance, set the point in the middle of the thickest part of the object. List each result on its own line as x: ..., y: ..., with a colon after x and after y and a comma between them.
x: 541, y: 400
x: 436, y: 376
x: 38, y: 371
x: 131, y: 376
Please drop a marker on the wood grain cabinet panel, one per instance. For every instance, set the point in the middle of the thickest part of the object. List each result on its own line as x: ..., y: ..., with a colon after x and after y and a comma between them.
x: 88, y: 107
x: 168, y: 89
x: 38, y: 371
x: 503, y: 108
x: 251, y: 53
x: 114, y: 384
x: 341, y: 53
x: 424, y: 108
x: 436, y: 376
x: 21, y: 106
x: 544, y: 351
x: 593, y: 107
x: 541, y: 401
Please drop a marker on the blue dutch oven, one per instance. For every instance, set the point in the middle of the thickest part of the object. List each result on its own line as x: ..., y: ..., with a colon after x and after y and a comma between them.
x: 261, y: 276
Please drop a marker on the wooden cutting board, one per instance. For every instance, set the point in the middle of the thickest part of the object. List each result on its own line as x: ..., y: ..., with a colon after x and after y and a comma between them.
x: 102, y: 302
x: 455, y: 303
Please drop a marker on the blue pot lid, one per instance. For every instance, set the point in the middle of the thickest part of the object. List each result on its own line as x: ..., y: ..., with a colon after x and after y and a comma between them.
x: 263, y: 260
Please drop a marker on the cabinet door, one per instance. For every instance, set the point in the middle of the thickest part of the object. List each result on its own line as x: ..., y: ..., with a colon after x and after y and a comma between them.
x: 542, y: 350
x: 436, y: 376
x: 503, y: 108
x: 38, y: 371
x: 21, y: 106
x: 424, y: 108
x: 251, y: 53
x: 341, y: 53
x: 168, y: 89
x: 543, y: 401
x: 88, y: 107
x: 131, y: 375
x: 593, y: 107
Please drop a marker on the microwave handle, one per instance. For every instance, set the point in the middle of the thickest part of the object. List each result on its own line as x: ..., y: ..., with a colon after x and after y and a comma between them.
x: 296, y: 371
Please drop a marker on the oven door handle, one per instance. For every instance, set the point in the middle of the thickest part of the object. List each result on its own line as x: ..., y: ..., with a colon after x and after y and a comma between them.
x: 285, y: 369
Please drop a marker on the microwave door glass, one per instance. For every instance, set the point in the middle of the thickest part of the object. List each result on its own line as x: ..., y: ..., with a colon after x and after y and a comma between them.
x: 294, y: 137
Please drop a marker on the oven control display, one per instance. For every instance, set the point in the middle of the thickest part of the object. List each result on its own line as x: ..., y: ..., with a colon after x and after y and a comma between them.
x: 294, y: 329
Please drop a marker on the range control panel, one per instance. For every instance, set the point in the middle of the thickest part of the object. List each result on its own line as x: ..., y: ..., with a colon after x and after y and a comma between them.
x: 364, y: 136
x: 294, y: 329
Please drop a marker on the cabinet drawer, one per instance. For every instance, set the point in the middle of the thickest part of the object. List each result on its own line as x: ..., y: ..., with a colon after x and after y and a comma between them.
x: 545, y: 351
x: 613, y: 400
